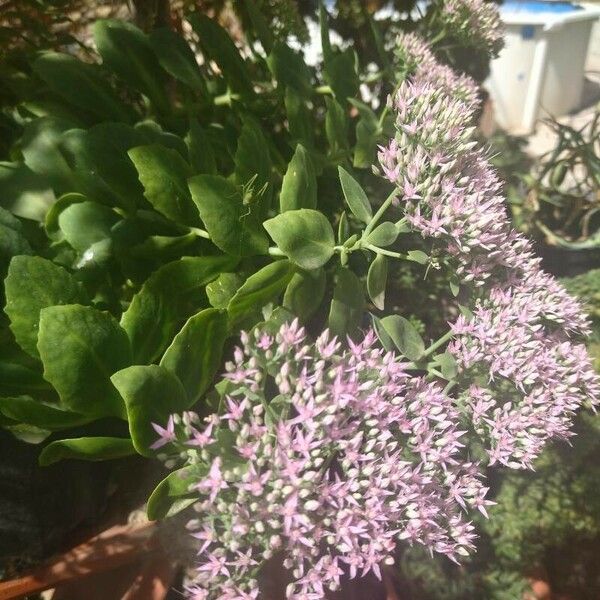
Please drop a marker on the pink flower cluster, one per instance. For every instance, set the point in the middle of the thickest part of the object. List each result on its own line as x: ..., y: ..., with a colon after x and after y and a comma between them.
x: 521, y: 340
x: 328, y: 458
x: 474, y: 22
x: 416, y: 58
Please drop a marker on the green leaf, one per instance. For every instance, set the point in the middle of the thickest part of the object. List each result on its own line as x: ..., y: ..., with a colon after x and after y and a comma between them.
x: 377, y: 281
x: 366, y: 145
x: 17, y: 379
x: 200, y: 150
x: 299, y: 187
x: 347, y: 305
x: 172, y: 294
x: 80, y: 348
x: 289, y: 69
x: 86, y: 223
x: 304, y: 293
x: 86, y: 448
x: 153, y: 133
x: 163, y: 173
x: 341, y: 75
x: 232, y: 225
x: 81, y: 85
x: 221, y: 290
x: 343, y: 231
x: 304, y: 235
x: 151, y: 394
x: 336, y: 126
x: 253, y: 166
x: 34, y: 283
x: 418, y: 256
x: 195, y: 354
x: 260, y: 25
x: 260, y: 289
x: 40, y: 146
x: 24, y: 193
x: 384, y: 338
x: 102, y: 150
x: 447, y: 364
x: 125, y: 50
x: 404, y: 335
x: 218, y: 46
x: 177, y: 58
x: 173, y: 493
x: 299, y: 118
x: 355, y: 196
x: 383, y: 235
x: 25, y: 409
x: 12, y: 243
x: 51, y: 220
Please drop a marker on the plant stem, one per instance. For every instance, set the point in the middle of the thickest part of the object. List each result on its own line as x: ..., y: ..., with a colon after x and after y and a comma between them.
x: 200, y: 232
x: 445, y: 338
x: 380, y: 212
x: 379, y: 250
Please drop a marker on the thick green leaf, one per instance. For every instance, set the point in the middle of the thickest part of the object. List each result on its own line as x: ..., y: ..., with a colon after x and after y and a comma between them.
x: 367, y: 137
x: 305, y: 292
x: 418, y: 256
x: 34, y: 283
x: 17, y: 379
x: 173, y: 493
x: 299, y: 187
x: 82, y: 85
x: 347, y: 305
x: 218, y: 46
x: 299, y: 118
x: 404, y: 335
x: 253, y: 167
x: 51, y: 220
x: 304, y: 236
x: 24, y: 193
x: 341, y: 75
x: 102, y: 151
x: 195, y: 353
x: 12, y: 243
x: 153, y: 133
x: 336, y: 126
x: 355, y: 196
x: 232, y: 224
x: 221, y: 290
x: 377, y: 281
x: 289, y: 69
x: 40, y: 146
x: 447, y: 364
x: 259, y: 289
x: 200, y: 150
x: 151, y: 394
x: 383, y: 235
x: 177, y: 58
x: 171, y: 295
x: 384, y: 338
x: 80, y: 348
x: 126, y: 50
x: 86, y: 223
x: 163, y: 173
x: 24, y: 409
x: 86, y: 448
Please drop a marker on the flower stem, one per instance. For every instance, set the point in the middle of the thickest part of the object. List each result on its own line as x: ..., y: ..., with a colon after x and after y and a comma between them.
x: 377, y: 216
x: 445, y: 338
x: 379, y: 250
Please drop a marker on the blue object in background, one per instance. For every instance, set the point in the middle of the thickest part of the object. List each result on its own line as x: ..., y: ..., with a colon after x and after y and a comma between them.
x: 528, y: 32
x: 540, y: 6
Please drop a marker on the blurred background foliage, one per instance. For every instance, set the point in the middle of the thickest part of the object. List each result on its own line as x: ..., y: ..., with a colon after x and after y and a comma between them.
x: 547, y: 523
